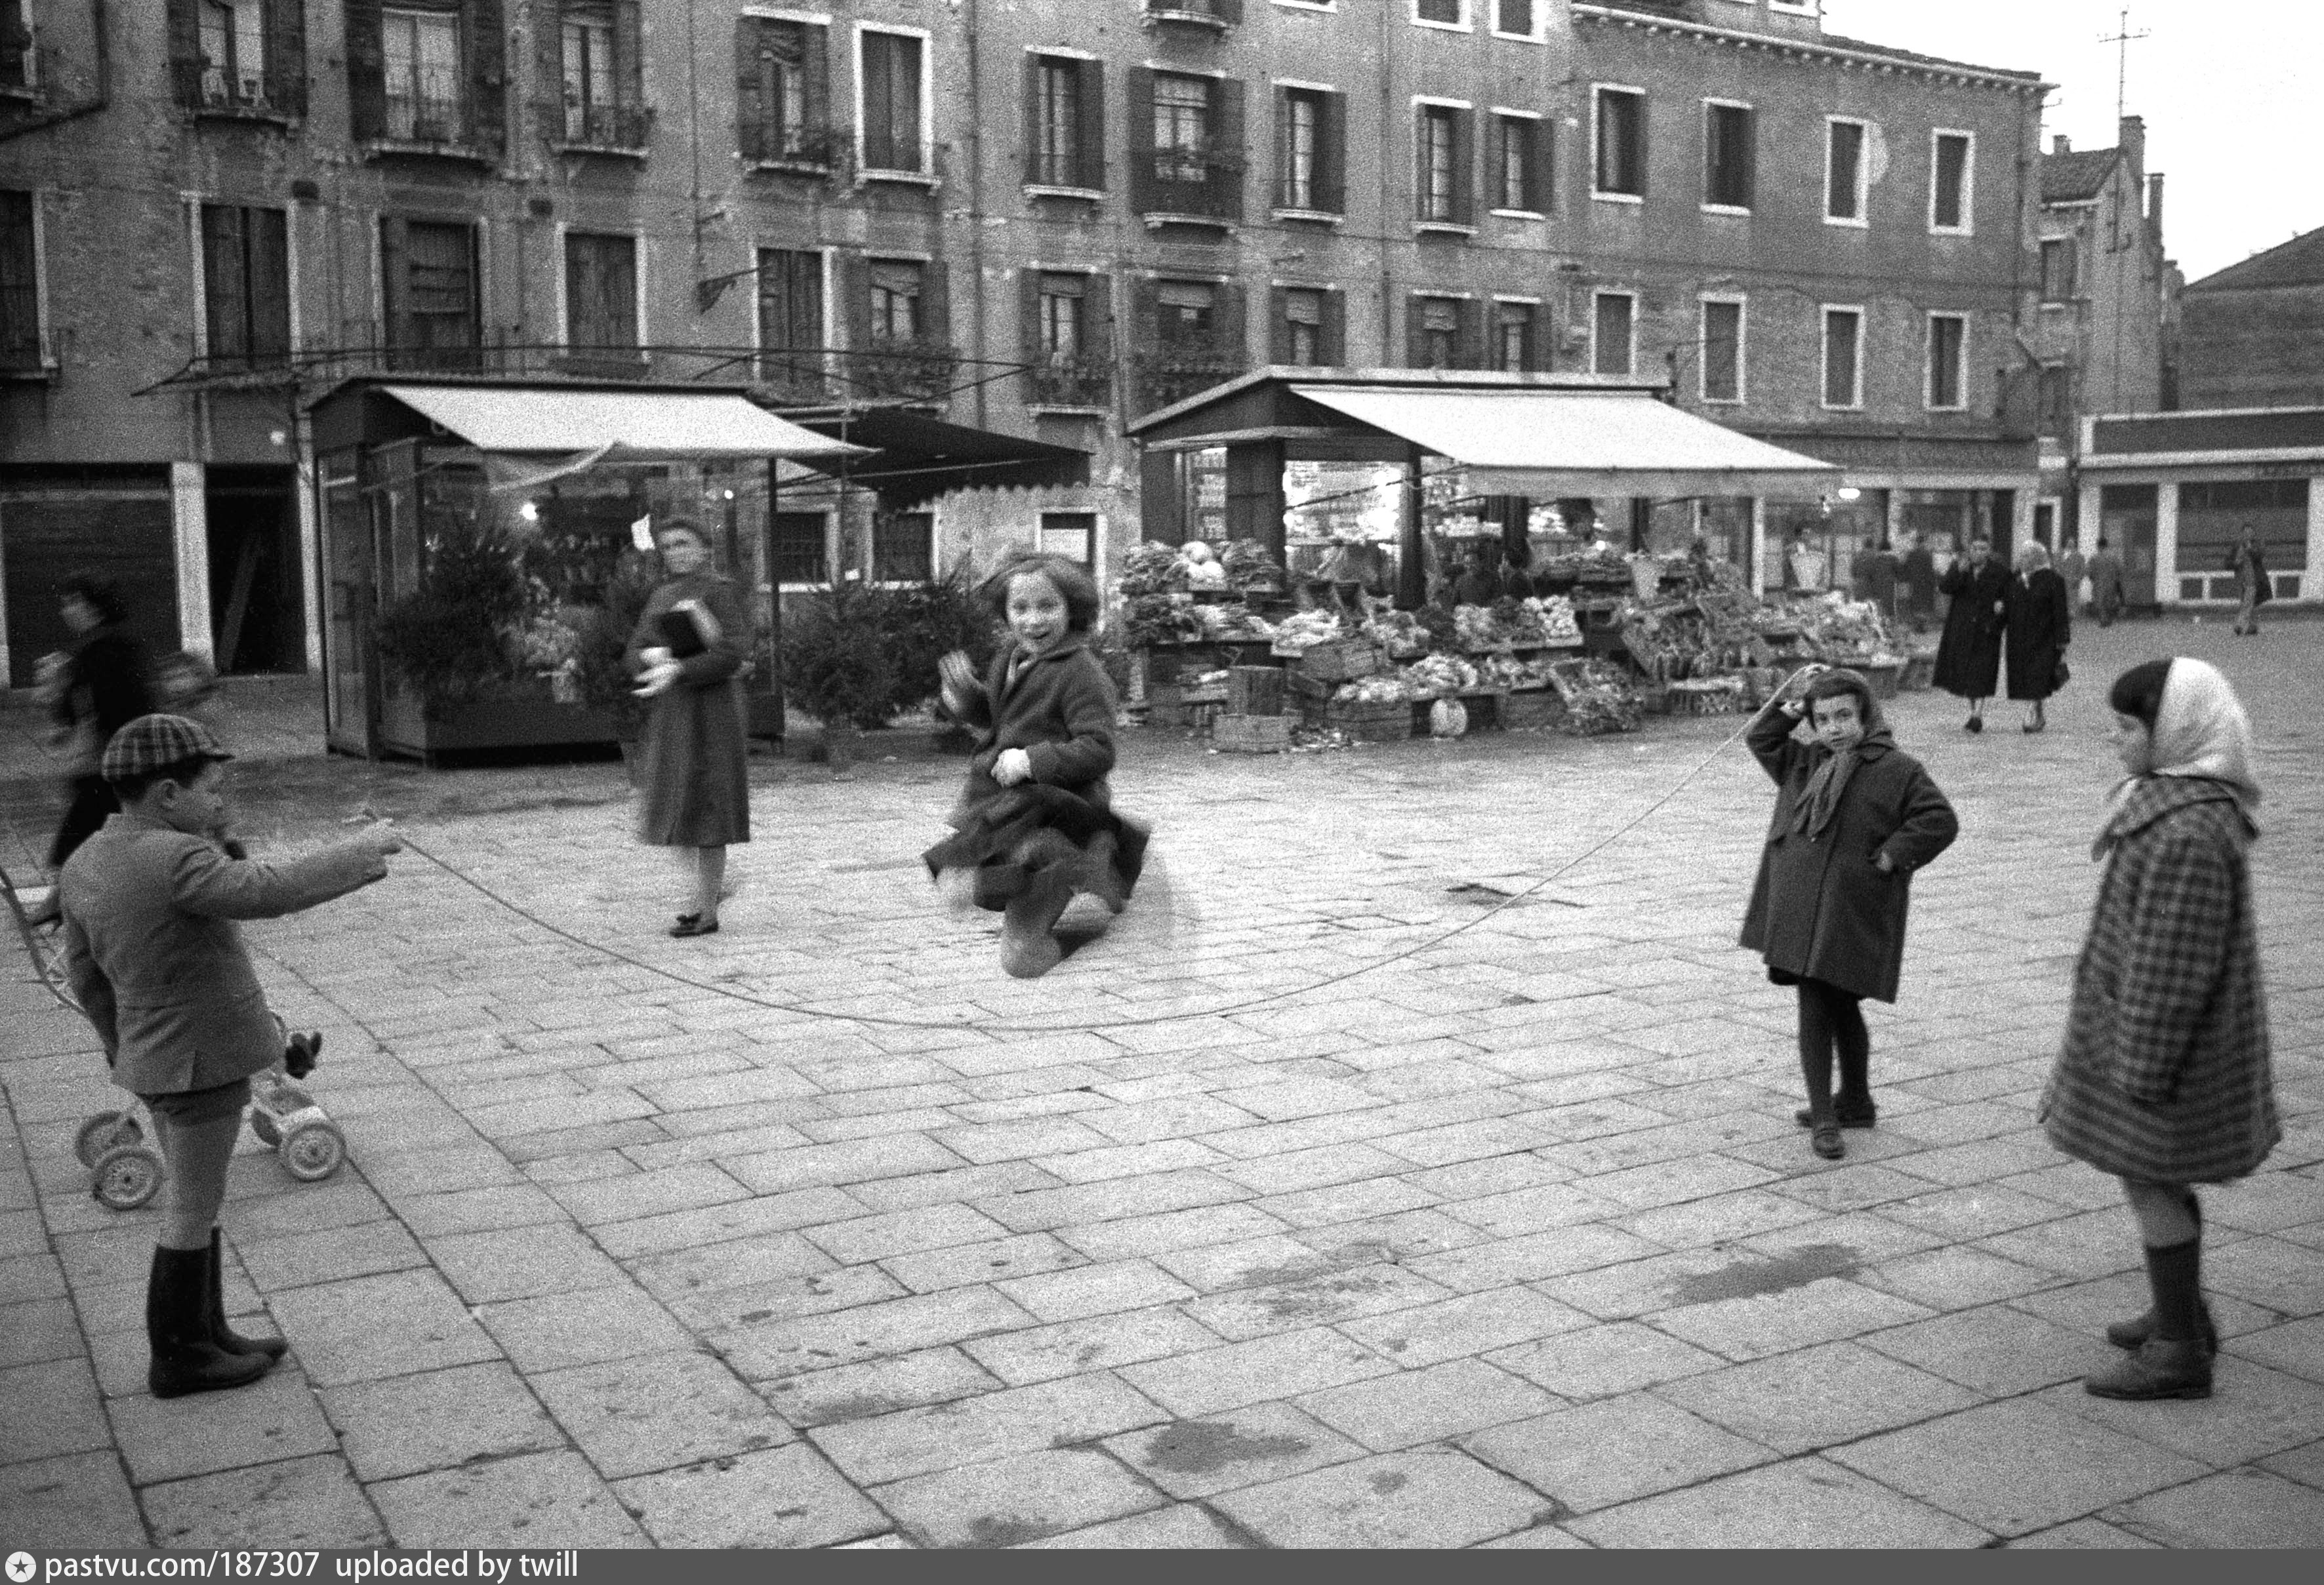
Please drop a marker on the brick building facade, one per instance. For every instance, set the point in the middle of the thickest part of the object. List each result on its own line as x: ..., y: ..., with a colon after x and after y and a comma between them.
x: 1034, y: 219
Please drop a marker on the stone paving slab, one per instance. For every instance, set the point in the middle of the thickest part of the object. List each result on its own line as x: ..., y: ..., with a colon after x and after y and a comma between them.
x: 1511, y: 1242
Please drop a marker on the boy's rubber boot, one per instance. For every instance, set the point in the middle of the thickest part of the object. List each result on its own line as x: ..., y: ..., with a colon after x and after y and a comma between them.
x: 2133, y: 1334
x: 1095, y: 874
x: 223, y: 1335
x: 1028, y: 946
x: 178, y: 1330
x: 2162, y: 1368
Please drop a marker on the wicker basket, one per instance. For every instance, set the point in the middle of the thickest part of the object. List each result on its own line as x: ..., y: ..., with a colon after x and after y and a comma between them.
x: 1341, y: 660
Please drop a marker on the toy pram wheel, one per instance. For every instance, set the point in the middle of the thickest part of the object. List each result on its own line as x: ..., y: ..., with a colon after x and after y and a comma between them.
x: 103, y: 1132
x: 127, y: 1176
x: 262, y: 1124
x: 313, y: 1151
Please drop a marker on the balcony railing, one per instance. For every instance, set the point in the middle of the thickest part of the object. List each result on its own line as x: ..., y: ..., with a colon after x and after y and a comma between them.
x: 1071, y: 380
x: 212, y: 90
x: 1204, y: 181
x: 1217, y: 14
x: 795, y: 146
x: 920, y: 370
x: 792, y: 379
x: 429, y: 119
x: 580, y: 123
x: 1176, y: 372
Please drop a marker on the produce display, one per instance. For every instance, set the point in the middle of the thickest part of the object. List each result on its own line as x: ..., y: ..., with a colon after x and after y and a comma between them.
x: 1599, y: 699
x: 1304, y: 630
x: 1388, y: 689
x: 1442, y: 675
x: 1586, y: 567
x: 1227, y: 622
x: 1399, y: 632
x: 1148, y: 620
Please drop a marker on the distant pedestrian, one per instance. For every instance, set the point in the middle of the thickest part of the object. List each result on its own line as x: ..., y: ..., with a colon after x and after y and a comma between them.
x: 153, y: 954
x: 1919, y: 575
x: 2040, y: 624
x: 687, y: 654
x: 1035, y: 824
x: 2164, y: 1079
x: 1477, y: 584
x: 2105, y: 573
x: 1863, y: 569
x: 101, y: 682
x: 1855, y: 817
x: 2071, y: 568
x: 1969, y: 655
x: 2253, y: 589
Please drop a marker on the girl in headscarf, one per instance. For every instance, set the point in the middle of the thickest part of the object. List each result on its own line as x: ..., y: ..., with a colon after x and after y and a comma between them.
x: 1855, y: 815
x: 2164, y: 1079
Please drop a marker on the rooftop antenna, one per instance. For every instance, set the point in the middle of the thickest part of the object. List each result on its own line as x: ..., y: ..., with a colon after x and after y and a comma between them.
x: 2123, y: 41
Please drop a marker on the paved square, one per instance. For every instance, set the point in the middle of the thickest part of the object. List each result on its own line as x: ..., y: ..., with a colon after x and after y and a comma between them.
x: 1275, y: 1216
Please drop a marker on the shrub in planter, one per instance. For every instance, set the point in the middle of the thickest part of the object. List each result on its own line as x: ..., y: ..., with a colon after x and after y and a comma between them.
x: 924, y: 623
x: 837, y: 665
x: 447, y: 641
x: 606, y: 684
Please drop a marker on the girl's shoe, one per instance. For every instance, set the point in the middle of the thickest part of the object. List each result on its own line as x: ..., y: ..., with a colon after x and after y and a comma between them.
x: 694, y: 925
x: 1865, y: 1115
x: 2160, y: 1370
x: 1827, y: 1143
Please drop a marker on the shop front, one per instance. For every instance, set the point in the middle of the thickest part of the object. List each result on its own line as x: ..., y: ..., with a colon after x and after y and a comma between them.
x: 2174, y: 493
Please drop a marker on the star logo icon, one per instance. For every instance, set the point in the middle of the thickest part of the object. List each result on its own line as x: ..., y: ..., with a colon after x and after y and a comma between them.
x: 20, y: 1567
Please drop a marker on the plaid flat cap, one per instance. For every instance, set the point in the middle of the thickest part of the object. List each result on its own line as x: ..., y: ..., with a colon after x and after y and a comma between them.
x: 151, y: 742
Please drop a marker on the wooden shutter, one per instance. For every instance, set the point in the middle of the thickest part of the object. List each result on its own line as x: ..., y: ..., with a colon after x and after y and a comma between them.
x: 1229, y: 329
x: 1332, y: 154
x: 855, y: 299
x: 395, y: 286
x: 1028, y: 313
x: 629, y: 53
x: 185, y: 42
x: 268, y: 237
x: 1097, y: 318
x: 936, y: 303
x: 1332, y: 335
x: 1226, y: 140
x: 1032, y: 123
x: 878, y: 93
x: 366, y: 70
x: 225, y: 289
x: 1139, y: 144
x: 1090, y: 133
x: 815, y: 41
x: 751, y: 109
x: 286, y: 55
x: 488, y: 75
x: 1278, y: 325
x: 1464, y: 167
x: 1469, y: 340
x: 1145, y: 315
x: 1415, y: 333
x: 19, y: 274
x: 1541, y: 177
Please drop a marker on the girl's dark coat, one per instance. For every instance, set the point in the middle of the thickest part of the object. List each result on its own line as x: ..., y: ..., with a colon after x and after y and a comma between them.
x: 1821, y: 908
x: 2041, y: 626
x: 2164, y: 1075
x: 1968, y: 657
x: 694, y: 788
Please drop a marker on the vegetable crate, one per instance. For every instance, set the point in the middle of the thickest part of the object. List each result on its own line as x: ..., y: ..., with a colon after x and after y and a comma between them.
x: 1389, y: 722
x: 1255, y: 690
x: 1341, y: 660
x: 1252, y: 734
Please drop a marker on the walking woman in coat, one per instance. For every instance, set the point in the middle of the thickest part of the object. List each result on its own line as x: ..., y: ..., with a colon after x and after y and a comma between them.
x: 1969, y: 655
x: 2040, y: 624
x: 1855, y: 817
x: 688, y: 654
x: 2254, y: 588
x: 2164, y: 1079
x: 101, y: 683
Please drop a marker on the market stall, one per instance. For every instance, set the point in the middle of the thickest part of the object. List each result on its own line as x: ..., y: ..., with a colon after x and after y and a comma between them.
x: 1445, y: 543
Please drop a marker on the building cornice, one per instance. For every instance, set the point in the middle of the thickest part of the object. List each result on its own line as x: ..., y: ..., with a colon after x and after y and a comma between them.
x: 1815, y: 50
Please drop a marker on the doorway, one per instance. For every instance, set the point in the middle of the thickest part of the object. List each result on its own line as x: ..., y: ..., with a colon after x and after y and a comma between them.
x: 258, y: 620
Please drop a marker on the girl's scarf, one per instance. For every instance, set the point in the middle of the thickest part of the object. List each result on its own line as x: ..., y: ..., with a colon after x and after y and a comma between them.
x: 2200, y: 731
x: 1818, y: 801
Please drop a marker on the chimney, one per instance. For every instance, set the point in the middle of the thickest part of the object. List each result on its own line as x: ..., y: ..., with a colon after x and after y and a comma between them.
x: 2061, y: 144
x: 2154, y: 205
x: 2133, y: 143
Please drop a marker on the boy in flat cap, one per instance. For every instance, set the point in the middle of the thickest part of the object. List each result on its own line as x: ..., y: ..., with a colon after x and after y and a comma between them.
x: 152, y: 950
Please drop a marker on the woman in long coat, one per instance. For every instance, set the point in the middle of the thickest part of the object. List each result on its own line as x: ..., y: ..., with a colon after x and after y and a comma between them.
x: 2254, y: 588
x: 2041, y: 625
x: 1969, y: 655
x: 2164, y: 1079
x: 1855, y: 815
x: 101, y: 683
x: 687, y: 652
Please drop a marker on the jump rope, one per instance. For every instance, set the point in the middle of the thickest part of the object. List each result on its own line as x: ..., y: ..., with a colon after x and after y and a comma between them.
x: 1248, y: 1004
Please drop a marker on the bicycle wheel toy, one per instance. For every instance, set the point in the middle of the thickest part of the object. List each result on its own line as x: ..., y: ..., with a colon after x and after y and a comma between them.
x: 126, y: 1176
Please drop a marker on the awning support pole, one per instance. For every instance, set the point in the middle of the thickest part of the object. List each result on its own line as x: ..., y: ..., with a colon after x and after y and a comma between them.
x: 1411, y: 575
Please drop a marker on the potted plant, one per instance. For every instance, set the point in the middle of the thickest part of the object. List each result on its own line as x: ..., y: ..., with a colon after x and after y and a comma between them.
x: 838, y: 666
x: 446, y: 640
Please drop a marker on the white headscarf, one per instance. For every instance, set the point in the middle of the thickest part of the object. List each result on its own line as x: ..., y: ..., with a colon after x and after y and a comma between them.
x: 2201, y: 730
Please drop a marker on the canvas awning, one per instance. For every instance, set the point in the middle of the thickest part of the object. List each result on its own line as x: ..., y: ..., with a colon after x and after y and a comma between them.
x: 917, y: 457
x: 615, y: 426
x: 1549, y: 443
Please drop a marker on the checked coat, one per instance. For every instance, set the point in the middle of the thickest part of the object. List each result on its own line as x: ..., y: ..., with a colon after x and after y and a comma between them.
x: 2165, y: 1074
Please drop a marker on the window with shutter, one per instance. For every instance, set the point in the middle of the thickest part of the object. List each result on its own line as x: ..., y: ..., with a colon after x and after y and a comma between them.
x: 1620, y: 164
x: 1949, y: 182
x: 1299, y: 115
x: 1843, y: 358
x: 891, y: 67
x: 895, y: 286
x: 1726, y: 155
x: 802, y: 551
x: 782, y: 93
x: 1437, y: 179
x: 599, y: 75
x: 425, y: 82
x: 1613, y: 333
x: 1722, y: 350
x: 20, y: 277
x: 1182, y: 132
x: 246, y: 285
x: 1438, y: 323
x: 601, y: 292
x: 1059, y: 142
x: 1845, y: 172
x: 1300, y: 331
x: 790, y: 322
x: 429, y: 272
x: 1513, y: 337
x: 2058, y: 270
x: 1947, y: 362
x: 1516, y: 173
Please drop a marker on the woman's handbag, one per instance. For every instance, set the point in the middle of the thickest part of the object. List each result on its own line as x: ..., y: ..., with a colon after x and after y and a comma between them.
x: 2060, y: 677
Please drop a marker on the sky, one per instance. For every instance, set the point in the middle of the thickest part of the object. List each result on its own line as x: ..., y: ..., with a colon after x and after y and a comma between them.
x: 2232, y: 91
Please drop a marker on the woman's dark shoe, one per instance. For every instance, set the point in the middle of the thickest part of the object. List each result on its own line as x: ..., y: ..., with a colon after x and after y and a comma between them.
x: 1974, y: 724
x: 1848, y: 1117
x: 1827, y: 1143
x: 223, y: 1335
x: 2162, y: 1368
x: 2134, y: 1334
x: 178, y: 1330
x: 2034, y: 726
x: 694, y: 925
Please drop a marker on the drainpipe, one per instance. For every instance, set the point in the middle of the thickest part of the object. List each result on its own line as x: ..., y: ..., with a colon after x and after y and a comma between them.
x: 100, y: 27
x: 1388, y: 57
x: 976, y: 213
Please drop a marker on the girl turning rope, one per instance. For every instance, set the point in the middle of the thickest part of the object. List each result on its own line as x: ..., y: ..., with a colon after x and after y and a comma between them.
x: 1035, y: 824
x: 1855, y: 817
